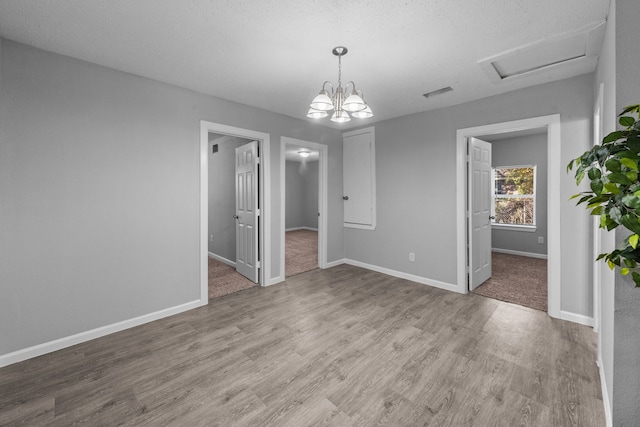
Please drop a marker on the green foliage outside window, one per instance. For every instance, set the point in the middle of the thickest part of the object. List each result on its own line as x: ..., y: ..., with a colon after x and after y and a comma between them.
x: 509, y: 183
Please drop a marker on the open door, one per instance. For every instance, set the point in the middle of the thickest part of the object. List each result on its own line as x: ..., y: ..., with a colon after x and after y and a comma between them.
x: 247, y: 211
x: 480, y: 212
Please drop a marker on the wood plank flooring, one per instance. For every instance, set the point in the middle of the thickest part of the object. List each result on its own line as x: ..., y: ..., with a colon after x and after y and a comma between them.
x: 337, y: 347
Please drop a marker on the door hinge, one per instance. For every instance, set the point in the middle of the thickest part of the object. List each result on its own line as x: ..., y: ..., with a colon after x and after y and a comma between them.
x: 258, y: 264
x: 257, y: 160
x: 258, y: 212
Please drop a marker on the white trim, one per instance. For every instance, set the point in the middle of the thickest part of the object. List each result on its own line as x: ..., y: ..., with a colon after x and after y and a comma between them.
x: 265, y: 197
x: 323, y: 158
x: 552, y: 123
x: 519, y: 253
x: 222, y: 259
x: 515, y: 227
x: 407, y: 276
x: 371, y: 130
x: 300, y: 228
x: 336, y: 263
x: 597, y: 232
x: 576, y: 318
x: 274, y: 281
x: 58, y: 344
x: 606, y: 400
x: 534, y: 196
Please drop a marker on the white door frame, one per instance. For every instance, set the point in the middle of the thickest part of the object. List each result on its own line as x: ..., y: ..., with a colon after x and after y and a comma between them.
x: 554, y: 169
x: 322, y: 198
x: 597, y: 231
x: 265, y: 199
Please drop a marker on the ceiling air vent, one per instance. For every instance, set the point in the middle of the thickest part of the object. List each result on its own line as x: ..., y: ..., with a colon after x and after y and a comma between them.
x: 577, y: 48
x: 438, y: 92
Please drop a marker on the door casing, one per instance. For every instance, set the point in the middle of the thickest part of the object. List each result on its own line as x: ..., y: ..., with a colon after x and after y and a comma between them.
x: 322, y: 198
x: 265, y: 199
x: 552, y: 123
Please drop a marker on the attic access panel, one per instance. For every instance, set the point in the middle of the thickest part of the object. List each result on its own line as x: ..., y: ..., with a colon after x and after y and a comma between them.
x: 577, y: 48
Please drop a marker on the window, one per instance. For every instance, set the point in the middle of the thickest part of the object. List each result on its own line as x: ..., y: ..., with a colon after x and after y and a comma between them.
x: 514, y: 196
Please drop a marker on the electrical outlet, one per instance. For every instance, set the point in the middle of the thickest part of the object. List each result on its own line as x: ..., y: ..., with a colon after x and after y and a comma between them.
x: 412, y: 257
x: 540, y: 239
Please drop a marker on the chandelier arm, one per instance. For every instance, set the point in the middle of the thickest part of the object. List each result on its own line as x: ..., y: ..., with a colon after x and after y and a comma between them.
x: 327, y: 83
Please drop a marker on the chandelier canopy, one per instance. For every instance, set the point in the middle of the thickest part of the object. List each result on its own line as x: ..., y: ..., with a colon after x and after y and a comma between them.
x: 344, y: 107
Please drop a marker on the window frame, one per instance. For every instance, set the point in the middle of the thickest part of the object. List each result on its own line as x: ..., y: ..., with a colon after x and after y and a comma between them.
x: 514, y: 227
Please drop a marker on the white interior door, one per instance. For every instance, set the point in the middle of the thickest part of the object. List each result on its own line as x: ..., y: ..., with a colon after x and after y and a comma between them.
x: 480, y: 212
x: 247, y: 211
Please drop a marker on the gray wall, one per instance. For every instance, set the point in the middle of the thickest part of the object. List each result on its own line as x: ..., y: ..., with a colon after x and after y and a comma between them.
x: 626, y: 379
x: 525, y: 150
x: 302, y: 194
x: 99, y: 171
x: 222, y: 195
x: 416, y: 186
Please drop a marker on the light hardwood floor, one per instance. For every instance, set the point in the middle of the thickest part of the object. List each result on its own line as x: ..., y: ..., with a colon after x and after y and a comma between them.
x: 342, y: 347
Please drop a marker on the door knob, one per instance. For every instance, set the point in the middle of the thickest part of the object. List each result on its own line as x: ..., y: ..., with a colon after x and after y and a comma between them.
x: 492, y: 217
x: 236, y: 217
x: 345, y: 197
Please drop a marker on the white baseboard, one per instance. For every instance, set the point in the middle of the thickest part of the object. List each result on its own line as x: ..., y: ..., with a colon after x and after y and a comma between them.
x: 58, y: 344
x: 519, y: 253
x: 576, y: 318
x: 336, y: 263
x: 608, y: 417
x: 222, y: 259
x: 403, y: 275
x: 301, y: 228
x: 274, y: 281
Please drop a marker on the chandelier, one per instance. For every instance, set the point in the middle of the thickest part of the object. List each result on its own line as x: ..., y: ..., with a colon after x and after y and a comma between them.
x: 344, y: 107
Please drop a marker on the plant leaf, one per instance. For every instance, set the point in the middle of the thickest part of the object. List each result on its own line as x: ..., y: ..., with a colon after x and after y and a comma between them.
x: 633, y: 240
x: 613, y: 165
x: 630, y: 108
x: 631, y: 222
x: 596, y: 186
x: 615, y: 214
x: 631, y: 164
x: 613, y: 136
x: 626, y: 121
x: 594, y: 173
x: 636, y: 278
x: 631, y: 201
x: 624, y: 271
x: 619, y: 178
x: 612, y: 188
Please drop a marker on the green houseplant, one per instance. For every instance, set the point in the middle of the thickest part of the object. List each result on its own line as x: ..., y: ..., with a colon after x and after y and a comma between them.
x: 613, y: 169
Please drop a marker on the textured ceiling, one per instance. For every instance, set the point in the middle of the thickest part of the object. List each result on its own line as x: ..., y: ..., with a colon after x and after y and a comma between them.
x: 275, y: 54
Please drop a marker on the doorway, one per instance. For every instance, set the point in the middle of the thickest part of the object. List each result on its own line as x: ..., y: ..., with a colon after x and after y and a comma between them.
x: 517, y: 208
x: 227, y: 134
x: 228, y: 269
x: 303, y: 185
x: 551, y: 124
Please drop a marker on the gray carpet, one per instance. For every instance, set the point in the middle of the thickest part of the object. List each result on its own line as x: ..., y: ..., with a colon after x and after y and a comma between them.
x: 224, y: 279
x: 517, y: 279
x: 301, y: 251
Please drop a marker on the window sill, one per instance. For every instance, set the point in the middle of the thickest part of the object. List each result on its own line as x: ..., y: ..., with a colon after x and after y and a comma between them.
x: 513, y: 227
